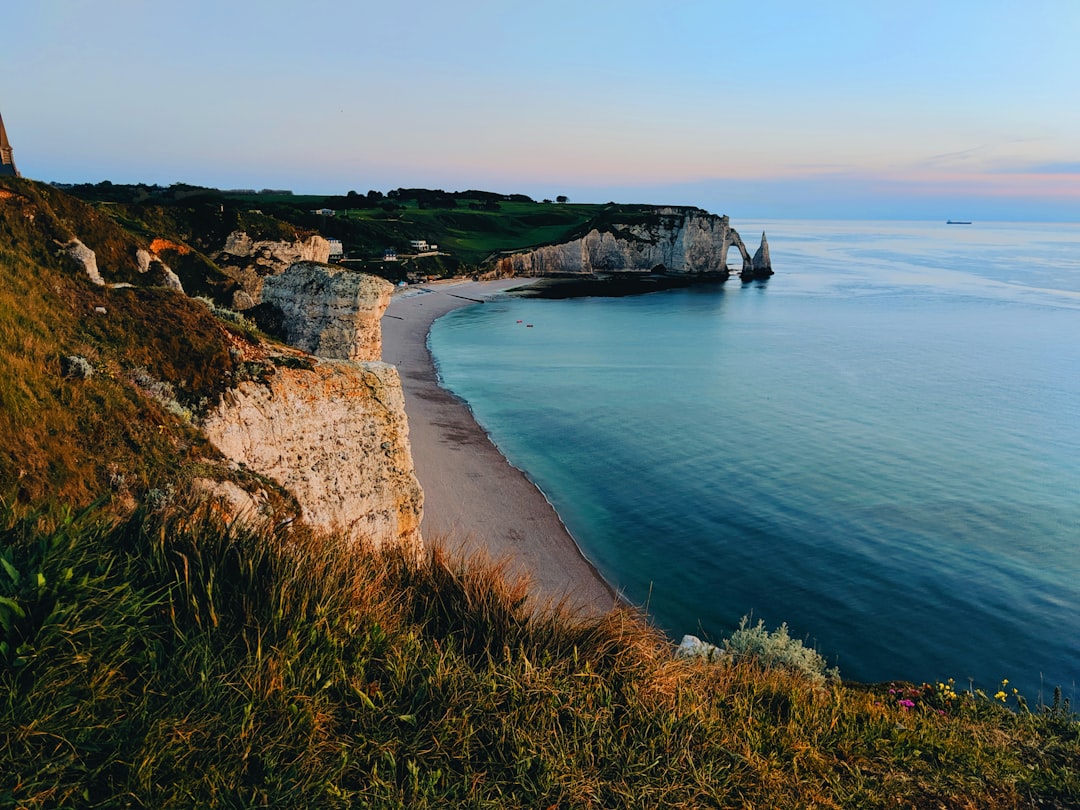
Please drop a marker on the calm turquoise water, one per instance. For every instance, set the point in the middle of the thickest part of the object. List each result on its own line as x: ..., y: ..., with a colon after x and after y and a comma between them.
x: 879, y: 446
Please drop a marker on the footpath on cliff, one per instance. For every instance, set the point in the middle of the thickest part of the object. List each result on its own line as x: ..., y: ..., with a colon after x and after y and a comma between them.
x: 475, y: 501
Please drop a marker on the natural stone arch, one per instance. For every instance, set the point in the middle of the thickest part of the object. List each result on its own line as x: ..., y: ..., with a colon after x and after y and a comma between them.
x: 733, y: 238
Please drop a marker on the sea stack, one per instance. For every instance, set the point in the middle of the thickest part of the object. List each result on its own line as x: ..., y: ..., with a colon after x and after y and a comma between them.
x: 761, y: 265
x: 7, y: 162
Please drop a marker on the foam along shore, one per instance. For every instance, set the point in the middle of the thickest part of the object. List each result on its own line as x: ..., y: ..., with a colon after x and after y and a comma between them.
x: 475, y: 501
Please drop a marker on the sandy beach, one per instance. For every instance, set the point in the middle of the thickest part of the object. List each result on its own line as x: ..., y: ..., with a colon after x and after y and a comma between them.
x: 475, y: 501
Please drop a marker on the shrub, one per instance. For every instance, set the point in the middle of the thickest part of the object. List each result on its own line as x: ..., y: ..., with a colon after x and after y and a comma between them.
x: 226, y: 314
x: 777, y: 649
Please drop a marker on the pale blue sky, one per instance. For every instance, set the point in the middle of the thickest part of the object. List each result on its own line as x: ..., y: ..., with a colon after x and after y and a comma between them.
x: 764, y: 109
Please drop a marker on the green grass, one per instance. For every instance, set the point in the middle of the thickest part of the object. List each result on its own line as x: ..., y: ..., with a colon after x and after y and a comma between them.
x: 175, y: 661
x: 474, y: 236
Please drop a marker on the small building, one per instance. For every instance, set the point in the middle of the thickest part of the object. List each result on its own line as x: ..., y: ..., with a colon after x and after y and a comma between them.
x: 421, y: 246
x: 336, y: 249
x: 7, y: 162
x: 324, y: 212
x: 389, y: 255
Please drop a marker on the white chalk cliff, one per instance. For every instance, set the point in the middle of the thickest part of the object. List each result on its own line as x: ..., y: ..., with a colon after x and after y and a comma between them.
x: 330, y: 311
x: 330, y: 428
x: 678, y: 241
x: 336, y: 437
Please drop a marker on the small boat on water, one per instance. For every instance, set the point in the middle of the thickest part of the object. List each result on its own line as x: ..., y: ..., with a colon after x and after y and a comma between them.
x: 957, y: 222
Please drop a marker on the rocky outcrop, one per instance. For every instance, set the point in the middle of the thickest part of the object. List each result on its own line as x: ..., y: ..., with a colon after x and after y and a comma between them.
x: 330, y: 311
x: 147, y: 261
x: 335, y: 435
x: 330, y: 429
x: 252, y: 260
x: 144, y: 259
x: 678, y: 241
x: 694, y: 648
x: 761, y: 265
x: 276, y: 256
x: 86, y: 258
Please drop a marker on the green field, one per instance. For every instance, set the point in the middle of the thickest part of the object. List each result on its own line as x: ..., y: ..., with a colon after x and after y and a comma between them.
x: 478, y: 236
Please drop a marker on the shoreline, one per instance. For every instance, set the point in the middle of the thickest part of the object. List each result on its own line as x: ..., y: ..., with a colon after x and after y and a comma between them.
x: 475, y: 501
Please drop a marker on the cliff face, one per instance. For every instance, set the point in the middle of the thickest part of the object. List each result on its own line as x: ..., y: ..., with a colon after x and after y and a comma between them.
x: 335, y: 435
x: 329, y: 426
x: 255, y: 259
x: 329, y: 311
x: 684, y: 241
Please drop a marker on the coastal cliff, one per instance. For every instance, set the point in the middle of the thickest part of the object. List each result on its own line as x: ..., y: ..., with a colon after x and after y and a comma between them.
x: 160, y: 655
x: 677, y: 241
x: 251, y: 260
x: 137, y: 390
x: 329, y: 311
x: 329, y: 426
x: 336, y: 437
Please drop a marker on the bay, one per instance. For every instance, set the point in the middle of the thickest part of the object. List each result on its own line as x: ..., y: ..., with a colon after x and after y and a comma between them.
x: 879, y: 446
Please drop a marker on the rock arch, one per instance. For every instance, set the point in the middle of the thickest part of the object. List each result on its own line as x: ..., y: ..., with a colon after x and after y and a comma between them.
x: 733, y: 238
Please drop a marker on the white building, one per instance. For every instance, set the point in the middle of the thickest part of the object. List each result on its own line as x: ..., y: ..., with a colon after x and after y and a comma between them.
x: 421, y: 246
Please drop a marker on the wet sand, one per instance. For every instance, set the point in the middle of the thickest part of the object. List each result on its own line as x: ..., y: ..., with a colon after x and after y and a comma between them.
x: 475, y: 501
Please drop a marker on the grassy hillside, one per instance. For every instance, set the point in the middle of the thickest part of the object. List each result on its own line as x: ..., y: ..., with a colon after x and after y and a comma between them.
x: 471, y: 228
x: 153, y: 656
x: 475, y: 236
x: 98, y: 384
x: 173, y: 661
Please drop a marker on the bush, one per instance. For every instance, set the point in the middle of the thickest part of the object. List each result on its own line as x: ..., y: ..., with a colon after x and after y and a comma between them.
x: 778, y: 649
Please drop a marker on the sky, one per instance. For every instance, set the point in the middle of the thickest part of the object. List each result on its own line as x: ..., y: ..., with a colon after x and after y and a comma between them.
x: 756, y: 108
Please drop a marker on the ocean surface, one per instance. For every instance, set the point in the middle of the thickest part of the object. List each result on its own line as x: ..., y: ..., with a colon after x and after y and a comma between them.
x: 879, y: 446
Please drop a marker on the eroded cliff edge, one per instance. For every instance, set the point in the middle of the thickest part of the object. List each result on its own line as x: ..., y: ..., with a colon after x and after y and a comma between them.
x: 330, y: 426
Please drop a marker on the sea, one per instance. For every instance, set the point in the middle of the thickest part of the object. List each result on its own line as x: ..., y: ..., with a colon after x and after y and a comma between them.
x: 878, y: 446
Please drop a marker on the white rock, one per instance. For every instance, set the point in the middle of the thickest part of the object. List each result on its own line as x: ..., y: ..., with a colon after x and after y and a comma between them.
x: 330, y: 311
x: 169, y: 279
x: 87, y: 258
x: 694, y: 647
x: 255, y: 259
x: 336, y: 436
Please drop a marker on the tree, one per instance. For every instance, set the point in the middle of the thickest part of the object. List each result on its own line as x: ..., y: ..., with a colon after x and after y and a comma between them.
x: 562, y: 198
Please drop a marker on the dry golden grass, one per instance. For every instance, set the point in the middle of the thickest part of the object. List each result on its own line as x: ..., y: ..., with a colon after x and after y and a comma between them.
x: 177, y: 661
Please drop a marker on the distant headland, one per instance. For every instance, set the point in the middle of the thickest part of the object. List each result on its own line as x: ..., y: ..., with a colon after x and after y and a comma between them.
x: 415, y: 234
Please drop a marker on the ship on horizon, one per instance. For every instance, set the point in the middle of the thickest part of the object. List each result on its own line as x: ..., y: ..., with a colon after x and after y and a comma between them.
x: 958, y: 222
